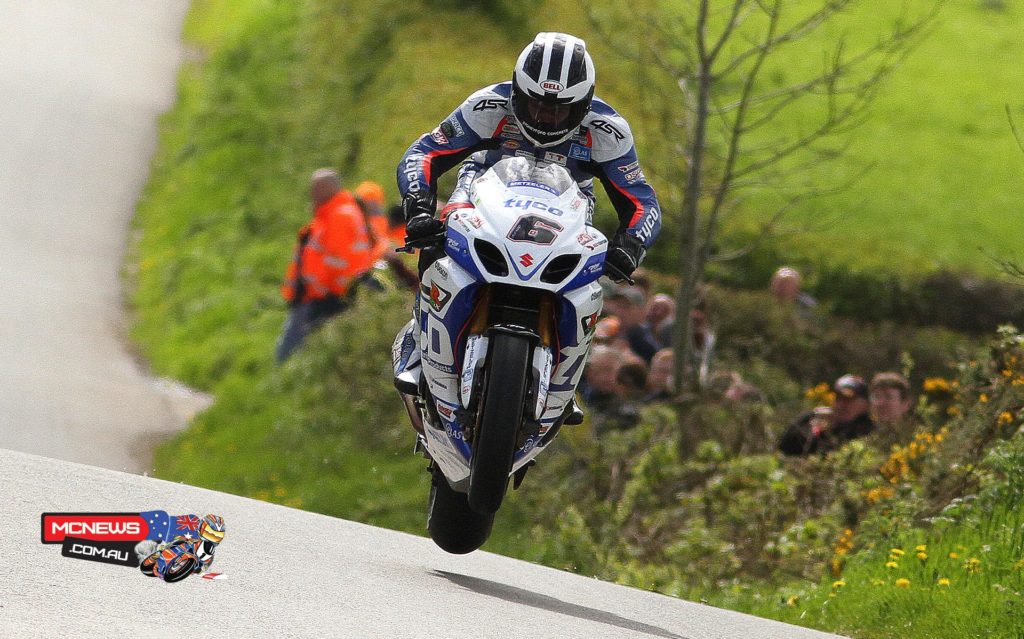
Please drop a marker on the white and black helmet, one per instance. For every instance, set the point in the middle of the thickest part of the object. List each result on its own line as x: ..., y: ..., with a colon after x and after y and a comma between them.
x: 552, y: 86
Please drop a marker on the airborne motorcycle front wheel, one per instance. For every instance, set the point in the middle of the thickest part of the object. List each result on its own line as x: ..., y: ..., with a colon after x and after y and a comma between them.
x: 452, y: 524
x: 501, y: 414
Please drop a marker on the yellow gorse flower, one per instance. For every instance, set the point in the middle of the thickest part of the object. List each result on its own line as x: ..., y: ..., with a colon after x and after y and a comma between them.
x: 878, y: 494
x: 972, y: 565
x: 936, y: 385
x: 820, y: 394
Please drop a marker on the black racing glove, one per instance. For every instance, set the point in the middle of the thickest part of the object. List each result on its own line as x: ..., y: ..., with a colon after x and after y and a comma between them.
x: 625, y: 253
x: 421, y: 227
x: 420, y: 222
x: 417, y: 203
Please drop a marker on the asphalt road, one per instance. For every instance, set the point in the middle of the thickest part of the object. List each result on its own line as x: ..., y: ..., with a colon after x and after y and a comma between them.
x: 82, y: 84
x: 297, y: 574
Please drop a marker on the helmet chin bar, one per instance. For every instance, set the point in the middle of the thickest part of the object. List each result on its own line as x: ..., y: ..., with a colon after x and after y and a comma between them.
x: 533, y: 135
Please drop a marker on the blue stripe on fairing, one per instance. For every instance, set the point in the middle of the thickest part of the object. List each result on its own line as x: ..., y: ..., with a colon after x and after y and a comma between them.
x: 531, y: 273
x: 457, y: 247
x: 459, y: 313
x: 583, y: 277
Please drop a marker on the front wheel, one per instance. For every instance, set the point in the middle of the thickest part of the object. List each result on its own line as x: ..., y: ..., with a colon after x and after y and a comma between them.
x: 452, y: 524
x: 501, y: 414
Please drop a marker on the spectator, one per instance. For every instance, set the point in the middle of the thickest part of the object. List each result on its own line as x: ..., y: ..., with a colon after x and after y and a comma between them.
x: 396, y: 225
x: 628, y: 304
x: 333, y: 251
x: 609, y: 379
x: 890, y: 407
x: 609, y: 333
x: 403, y: 265
x: 703, y: 342
x: 703, y: 335
x: 659, y: 379
x: 660, y: 316
x: 785, y: 288
x: 825, y: 429
x: 370, y: 197
x: 890, y: 397
x: 631, y: 379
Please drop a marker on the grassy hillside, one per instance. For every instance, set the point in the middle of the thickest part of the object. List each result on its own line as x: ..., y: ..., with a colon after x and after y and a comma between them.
x: 275, y: 89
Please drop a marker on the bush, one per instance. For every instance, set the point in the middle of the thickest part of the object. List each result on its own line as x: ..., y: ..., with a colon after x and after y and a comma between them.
x: 959, y: 301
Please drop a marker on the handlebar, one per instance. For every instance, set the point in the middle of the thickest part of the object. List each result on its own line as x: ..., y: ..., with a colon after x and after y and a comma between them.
x: 423, y: 242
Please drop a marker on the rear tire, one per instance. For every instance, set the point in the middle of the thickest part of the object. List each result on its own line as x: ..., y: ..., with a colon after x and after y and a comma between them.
x: 452, y: 524
x: 494, y: 443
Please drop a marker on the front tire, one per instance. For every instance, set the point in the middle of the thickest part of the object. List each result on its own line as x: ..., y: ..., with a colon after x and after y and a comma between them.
x: 494, y: 442
x: 452, y: 524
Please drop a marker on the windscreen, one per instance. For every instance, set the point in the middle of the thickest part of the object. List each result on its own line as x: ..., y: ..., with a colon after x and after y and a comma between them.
x: 527, y: 176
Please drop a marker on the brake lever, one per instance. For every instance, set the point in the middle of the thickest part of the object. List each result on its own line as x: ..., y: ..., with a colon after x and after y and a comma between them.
x: 423, y: 242
x: 617, y: 275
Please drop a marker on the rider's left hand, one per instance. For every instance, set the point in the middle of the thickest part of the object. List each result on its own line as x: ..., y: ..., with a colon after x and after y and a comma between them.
x: 625, y: 253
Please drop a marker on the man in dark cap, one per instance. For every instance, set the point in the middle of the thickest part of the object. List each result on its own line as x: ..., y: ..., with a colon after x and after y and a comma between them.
x: 823, y: 429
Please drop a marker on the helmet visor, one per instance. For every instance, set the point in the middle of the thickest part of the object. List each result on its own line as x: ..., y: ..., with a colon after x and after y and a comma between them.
x: 548, y: 115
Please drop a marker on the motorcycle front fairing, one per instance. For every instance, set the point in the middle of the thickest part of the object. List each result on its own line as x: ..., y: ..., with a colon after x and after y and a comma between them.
x: 522, y: 238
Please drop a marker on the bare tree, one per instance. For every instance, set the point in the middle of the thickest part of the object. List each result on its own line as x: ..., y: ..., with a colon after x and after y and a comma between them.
x: 724, y: 57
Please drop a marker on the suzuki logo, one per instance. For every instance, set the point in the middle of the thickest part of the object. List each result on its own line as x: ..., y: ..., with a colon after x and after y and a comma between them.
x: 526, y: 259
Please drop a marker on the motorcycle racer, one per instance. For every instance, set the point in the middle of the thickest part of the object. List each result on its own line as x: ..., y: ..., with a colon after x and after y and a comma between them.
x: 548, y: 112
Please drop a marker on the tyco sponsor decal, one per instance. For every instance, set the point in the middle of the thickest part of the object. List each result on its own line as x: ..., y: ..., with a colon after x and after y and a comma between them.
x: 452, y: 128
x: 160, y: 545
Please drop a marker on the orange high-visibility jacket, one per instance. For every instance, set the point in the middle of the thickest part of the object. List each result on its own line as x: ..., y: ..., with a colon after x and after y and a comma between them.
x: 379, y: 229
x: 333, y: 250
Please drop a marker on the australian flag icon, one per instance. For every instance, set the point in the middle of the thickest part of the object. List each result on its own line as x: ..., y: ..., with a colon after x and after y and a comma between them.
x: 164, y: 527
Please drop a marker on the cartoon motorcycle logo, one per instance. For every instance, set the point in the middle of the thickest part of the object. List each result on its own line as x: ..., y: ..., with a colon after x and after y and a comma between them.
x: 184, y: 556
x: 172, y: 563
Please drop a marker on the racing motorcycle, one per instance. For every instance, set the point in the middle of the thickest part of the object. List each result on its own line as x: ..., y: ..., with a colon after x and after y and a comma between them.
x: 504, y: 321
x: 172, y: 562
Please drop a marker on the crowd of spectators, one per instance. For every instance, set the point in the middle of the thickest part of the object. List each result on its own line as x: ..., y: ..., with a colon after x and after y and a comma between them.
x: 632, y: 364
x: 632, y: 361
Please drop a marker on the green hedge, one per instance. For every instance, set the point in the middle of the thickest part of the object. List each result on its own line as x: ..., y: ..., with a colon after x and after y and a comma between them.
x: 960, y: 301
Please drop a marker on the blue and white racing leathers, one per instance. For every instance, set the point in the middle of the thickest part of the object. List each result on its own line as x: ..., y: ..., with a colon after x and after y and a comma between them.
x: 483, y: 130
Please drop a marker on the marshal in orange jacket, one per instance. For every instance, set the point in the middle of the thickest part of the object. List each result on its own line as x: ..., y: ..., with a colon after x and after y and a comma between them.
x: 333, y: 250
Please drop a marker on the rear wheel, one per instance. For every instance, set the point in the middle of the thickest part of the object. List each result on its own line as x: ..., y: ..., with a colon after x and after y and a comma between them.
x: 452, y: 524
x: 500, y: 417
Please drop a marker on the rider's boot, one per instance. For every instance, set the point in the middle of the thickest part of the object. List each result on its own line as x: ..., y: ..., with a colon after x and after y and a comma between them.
x: 405, y: 356
x: 574, y: 416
